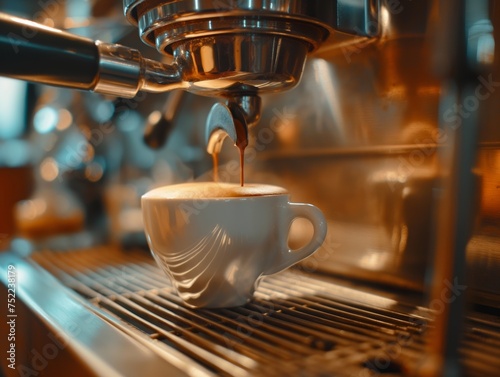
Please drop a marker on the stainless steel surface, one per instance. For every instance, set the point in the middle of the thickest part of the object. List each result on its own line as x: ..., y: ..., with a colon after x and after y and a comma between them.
x: 224, y: 121
x: 158, y: 77
x: 458, y: 159
x: 161, y: 122
x: 162, y: 23
x: 123, y: 72
x: 224, y: 47
x: 361, y: 17
x: 218, y: 49
x: 360, y: 136
x: 298, y: 324
x: 251, y: 105
x: 119, y: 70
x: 226, y: 65
x: 51, y: 320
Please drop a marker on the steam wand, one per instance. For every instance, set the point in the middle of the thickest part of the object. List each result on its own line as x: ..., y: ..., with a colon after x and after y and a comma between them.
x: 159, y: 124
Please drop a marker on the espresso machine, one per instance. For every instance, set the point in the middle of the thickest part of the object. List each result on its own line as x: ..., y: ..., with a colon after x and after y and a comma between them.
x: 380, y: 112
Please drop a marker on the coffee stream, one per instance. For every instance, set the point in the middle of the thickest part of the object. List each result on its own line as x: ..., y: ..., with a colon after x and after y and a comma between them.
x: 242, y: 167
x: 215, y: 161
x: 241, y: 144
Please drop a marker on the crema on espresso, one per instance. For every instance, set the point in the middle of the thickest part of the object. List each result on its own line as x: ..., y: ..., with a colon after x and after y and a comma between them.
x: 213, y: 190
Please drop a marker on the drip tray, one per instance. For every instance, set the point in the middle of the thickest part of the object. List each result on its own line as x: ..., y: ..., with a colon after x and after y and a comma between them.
x: 299, y: 324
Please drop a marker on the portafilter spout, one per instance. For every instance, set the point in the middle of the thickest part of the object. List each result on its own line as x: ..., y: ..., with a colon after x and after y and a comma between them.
x: 231, y: 120
x: 223, y: 121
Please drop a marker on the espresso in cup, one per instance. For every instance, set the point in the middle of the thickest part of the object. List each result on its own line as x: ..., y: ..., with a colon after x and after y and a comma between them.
x: 213, y: 190
x: 216, y: 240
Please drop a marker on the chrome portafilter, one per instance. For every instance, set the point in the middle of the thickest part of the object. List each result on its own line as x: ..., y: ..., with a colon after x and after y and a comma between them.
x: 232, y: 50
x: 235, y: 50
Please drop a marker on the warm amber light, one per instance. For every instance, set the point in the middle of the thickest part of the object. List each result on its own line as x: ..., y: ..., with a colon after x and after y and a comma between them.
x: 489, y: 166
x: 65, y: 120
x: 49, y: 169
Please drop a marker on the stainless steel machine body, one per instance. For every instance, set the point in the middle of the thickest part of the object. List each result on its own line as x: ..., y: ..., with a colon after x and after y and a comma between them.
x: 382, y: 113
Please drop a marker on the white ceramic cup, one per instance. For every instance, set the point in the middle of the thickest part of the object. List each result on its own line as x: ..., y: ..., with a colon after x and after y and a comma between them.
x: 216, y: 240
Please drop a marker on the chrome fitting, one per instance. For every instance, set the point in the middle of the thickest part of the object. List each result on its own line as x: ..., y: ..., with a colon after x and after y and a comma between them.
x: 120, y: 72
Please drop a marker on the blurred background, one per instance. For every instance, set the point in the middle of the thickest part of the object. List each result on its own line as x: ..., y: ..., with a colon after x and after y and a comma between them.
x: 394, y: 135
x: 362, y: 137
x: 75, y: 163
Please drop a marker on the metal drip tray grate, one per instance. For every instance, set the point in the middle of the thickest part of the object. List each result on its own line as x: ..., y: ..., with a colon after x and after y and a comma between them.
x: 298, y: 324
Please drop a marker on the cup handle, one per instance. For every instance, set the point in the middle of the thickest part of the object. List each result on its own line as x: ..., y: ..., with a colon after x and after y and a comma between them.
x: 289, y: 257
